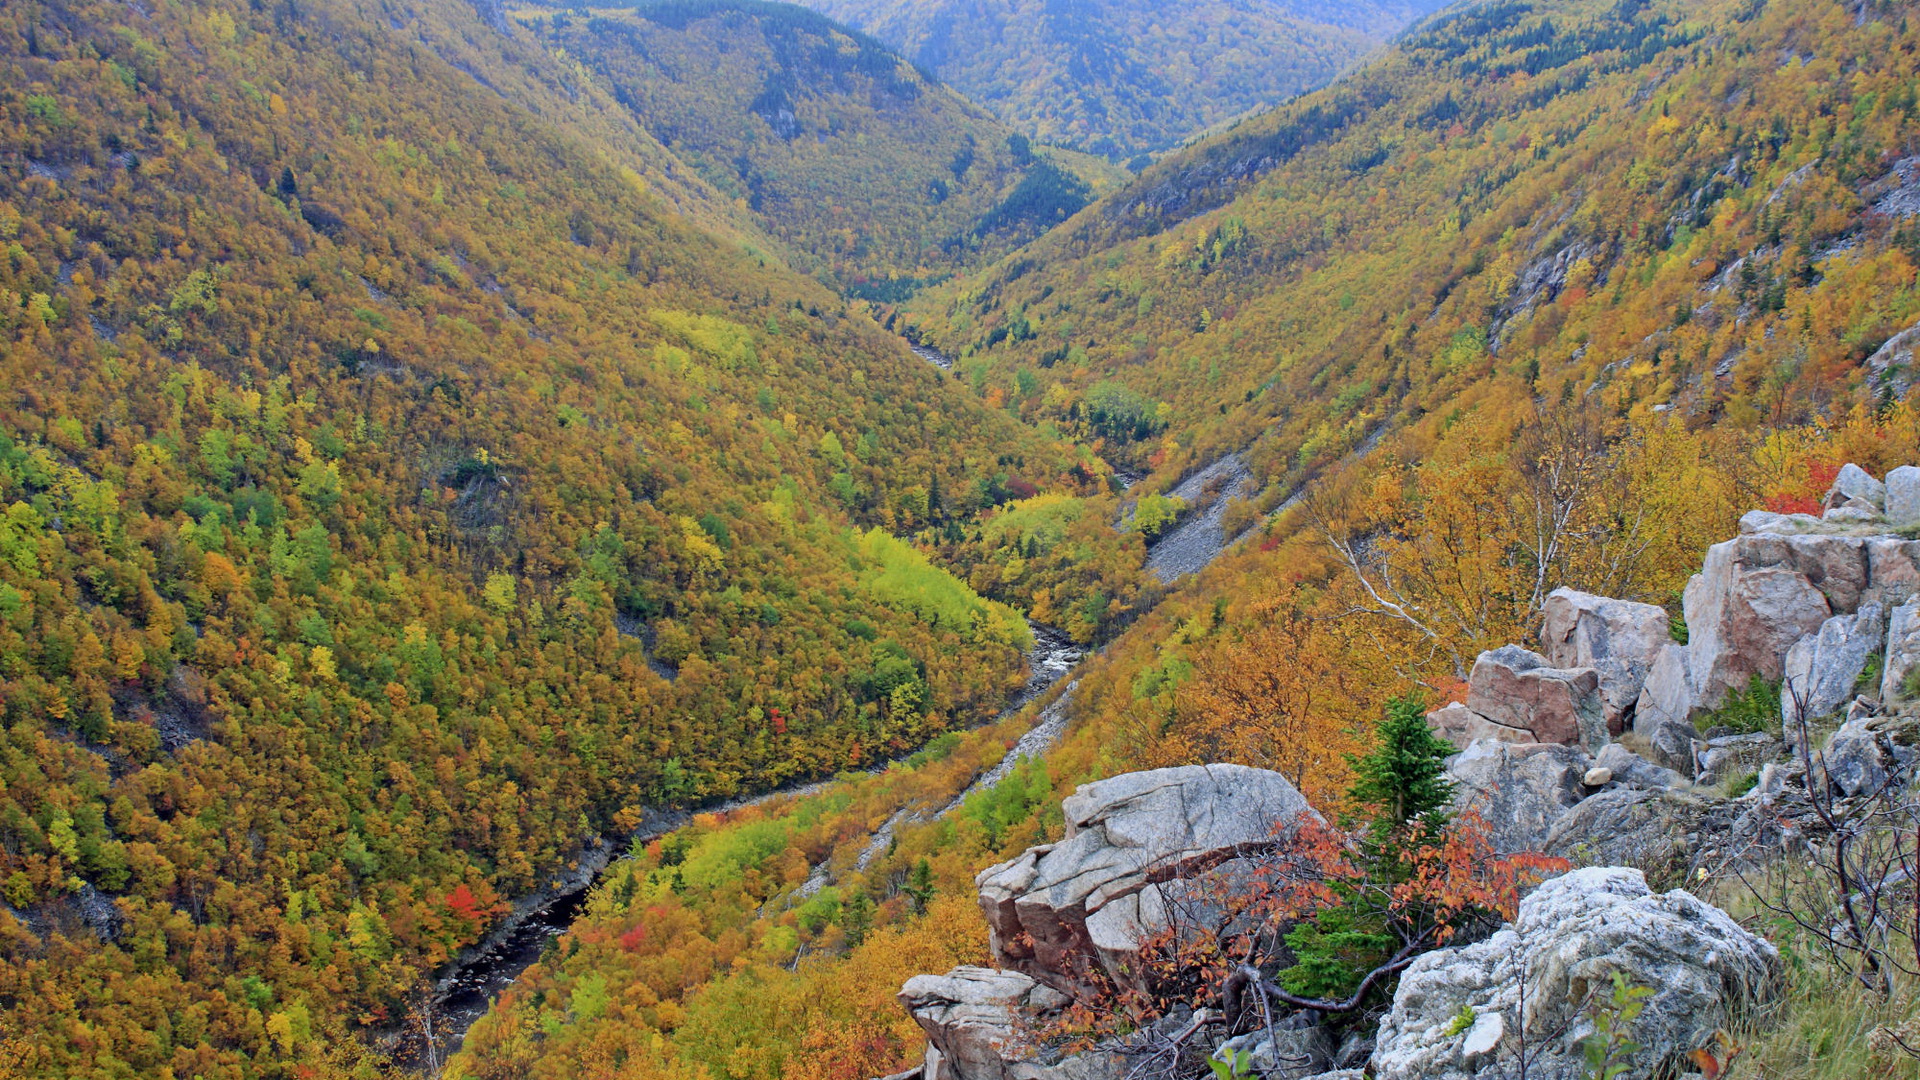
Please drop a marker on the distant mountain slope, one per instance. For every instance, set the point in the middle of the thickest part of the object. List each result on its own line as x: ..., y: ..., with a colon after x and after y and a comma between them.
x: 1553, y: 192
x: 397, y: 492
x: 1117, y: 77
x: 864, y: 168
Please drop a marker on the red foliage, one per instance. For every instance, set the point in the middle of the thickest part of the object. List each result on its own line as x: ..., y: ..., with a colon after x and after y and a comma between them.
x: 474, y: 910
x: 1807, y: 500
x: 779, y: 722
x: 1021, y: 489
x: 633, y: 939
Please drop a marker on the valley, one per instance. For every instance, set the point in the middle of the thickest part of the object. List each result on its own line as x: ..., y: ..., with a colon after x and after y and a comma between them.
x: 553, y: 541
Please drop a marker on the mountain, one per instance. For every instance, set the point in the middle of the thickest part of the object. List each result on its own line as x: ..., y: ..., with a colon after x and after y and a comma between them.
x: 862, y: 166
x: 1547, y: 294
x: 1120, y: 78
x: 411, y: 470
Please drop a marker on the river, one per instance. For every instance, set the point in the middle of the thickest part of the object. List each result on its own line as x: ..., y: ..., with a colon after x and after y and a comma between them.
x: 477, y: 977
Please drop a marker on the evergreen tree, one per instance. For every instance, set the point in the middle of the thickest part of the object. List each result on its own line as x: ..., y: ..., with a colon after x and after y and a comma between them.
x: 1404, y: 777
x: 919, y: 888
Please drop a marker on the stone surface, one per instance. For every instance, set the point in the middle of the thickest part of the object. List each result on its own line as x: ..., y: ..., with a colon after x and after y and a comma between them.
x: 1572, y: 933
x: 1630, y: 768
x: 1853, y: 760
x: 1619, y: 639
x: 1598, y: 776
x: 1854, y: 482
x: 1730, y: 756
x: 1668, y: 692
x: 1821, y: 669
x: 1903, y: 652
x: 1124, y: 836
x: 1520, y: 790
x: 1749, y: 605
x: 1670, y: 744
x: 1629, y: 826
x: 1518, y: 688
x: 1903, y: 497
x: 1294, y: 1054
x: 971, y: 1016
x: 1764, y: 521
x: 1463, y: 727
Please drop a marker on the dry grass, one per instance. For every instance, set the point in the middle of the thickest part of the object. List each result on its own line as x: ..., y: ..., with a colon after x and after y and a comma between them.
x: 1824, y: 1028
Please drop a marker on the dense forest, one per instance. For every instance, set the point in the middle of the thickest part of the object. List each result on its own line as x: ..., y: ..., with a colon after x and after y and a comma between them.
x: 434, y: 440
x: 399, y: 495
x: 1126, y: 79
x: 1629, y: 266
x: 867, y: 170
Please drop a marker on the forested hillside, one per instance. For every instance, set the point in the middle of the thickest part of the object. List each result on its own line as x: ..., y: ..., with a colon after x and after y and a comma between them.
x: 398, y: 495
x: 865, y: 169
x: 1119, y: 79
x: 1547, y: 295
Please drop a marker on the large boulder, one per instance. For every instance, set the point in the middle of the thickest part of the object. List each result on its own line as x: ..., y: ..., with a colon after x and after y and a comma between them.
x: 1648, y: 828
x: 1854, y: 483
x: 1519, y: 790
x: 1540, y: 974
x: 1620, y: 639
x: 1903, y: 652
x: 1060, y: 910
x: 1463, y: 727
x: 972, y: 1017
x: 1903, y: 497
x: 1743, y: 616
x: 1518, y: 688
x: 1821, y: 669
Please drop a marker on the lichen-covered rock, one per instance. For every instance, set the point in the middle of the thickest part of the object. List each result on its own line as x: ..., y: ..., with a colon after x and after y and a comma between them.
x: 1729, y: 756
x: 1058, y: 910
x: 1520, y: 790
x: 1821, y: 669
x: 1619, y: 639
x: 1571, y: 935
x: 1518, y: 688
x: 1645, y: 827
x: 1633, y: 770
x: 1854, y: 761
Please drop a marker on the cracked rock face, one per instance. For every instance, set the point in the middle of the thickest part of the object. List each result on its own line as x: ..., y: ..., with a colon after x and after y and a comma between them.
x: 1059, y: 911
x: 1620, y: 639
x: 1519, y: 790
x: 1516, y: 688
x: 1571, y: 935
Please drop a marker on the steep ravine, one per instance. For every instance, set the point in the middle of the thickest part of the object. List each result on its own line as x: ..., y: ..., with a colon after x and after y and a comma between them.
x: 468, y: 988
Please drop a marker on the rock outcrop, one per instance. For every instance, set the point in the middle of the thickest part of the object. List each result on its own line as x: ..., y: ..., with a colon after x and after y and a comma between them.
x: 1538, y: 975
x: 1821, y: 669
x: 1519, y: 689
x: 1059, y: 910
x: 1619, y: 639
x: 971, y: 1016
x: 1519, y: 790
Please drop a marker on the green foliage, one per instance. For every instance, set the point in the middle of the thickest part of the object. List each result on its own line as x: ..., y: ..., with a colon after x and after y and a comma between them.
x: 1404, y: 777
x: 1241, y: 1065
x: 1604, y: 1052
x: 1011, y: 801
x: 1757, y: 708
x: 1461, y: 1022
x: 1153, y: 513
x: 899, y: 575
x: 1335, y: 949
